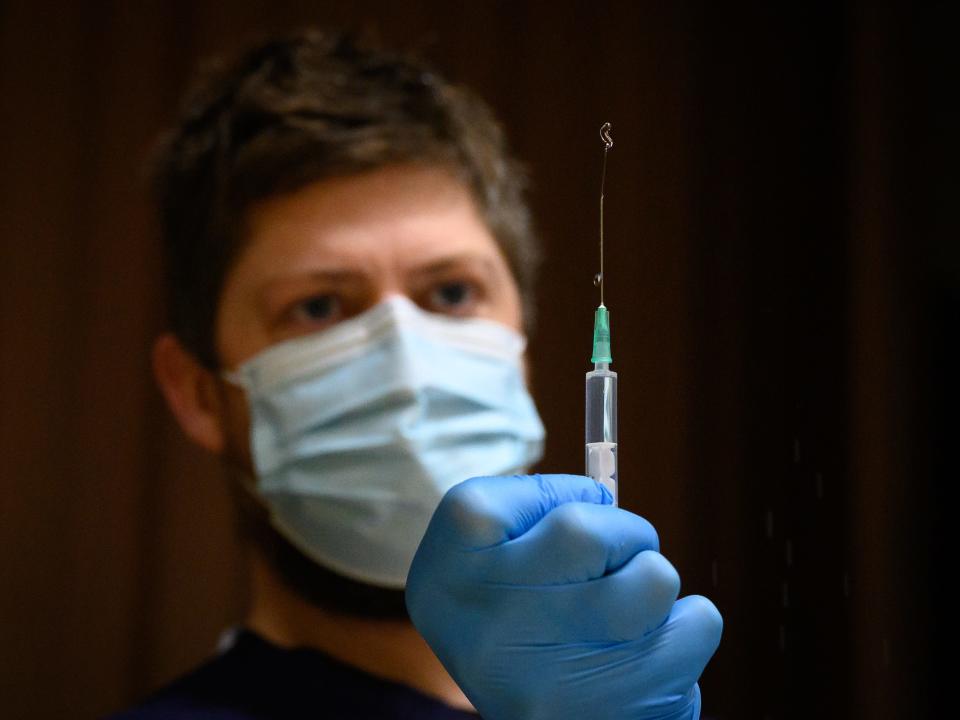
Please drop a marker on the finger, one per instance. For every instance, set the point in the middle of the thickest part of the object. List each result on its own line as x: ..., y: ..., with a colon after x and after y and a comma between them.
x: 486, y: 511
x: 693, y: 628
x: 636, y: 599
x: 573, y: 543
x: 616, y: 608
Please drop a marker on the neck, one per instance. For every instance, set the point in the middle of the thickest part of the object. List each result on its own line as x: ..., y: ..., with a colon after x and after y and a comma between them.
x: 390, y: 649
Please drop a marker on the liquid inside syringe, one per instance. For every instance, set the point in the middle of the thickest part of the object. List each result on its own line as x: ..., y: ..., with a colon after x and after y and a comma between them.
x: 601, y: 427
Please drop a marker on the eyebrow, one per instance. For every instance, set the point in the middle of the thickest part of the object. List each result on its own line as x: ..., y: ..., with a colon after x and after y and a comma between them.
x: 283, y: 283
x: 446, y: 264
x: 343, y: 276
x: 332, y: 275
x: 328, y: 275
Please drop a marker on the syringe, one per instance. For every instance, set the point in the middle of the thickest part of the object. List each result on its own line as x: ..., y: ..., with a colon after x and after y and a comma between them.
x: 601, y: 405
x: 601, y: 412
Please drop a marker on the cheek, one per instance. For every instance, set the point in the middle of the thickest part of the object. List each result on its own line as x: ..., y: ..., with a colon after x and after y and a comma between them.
x: 507, y: 307
x: 240, y: 334
x: 235, y: 420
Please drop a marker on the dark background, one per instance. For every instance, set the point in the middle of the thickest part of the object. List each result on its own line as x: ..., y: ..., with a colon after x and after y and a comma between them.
x: 784, y: 283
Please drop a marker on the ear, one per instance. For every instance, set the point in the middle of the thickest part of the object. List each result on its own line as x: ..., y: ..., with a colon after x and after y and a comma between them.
x: 191, y: 392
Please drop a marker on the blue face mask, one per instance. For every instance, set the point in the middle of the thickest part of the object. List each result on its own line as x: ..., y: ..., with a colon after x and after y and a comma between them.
x: 358, y: 431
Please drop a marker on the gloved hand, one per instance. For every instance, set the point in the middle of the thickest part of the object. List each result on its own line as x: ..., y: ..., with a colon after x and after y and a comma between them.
x: 543, y: 600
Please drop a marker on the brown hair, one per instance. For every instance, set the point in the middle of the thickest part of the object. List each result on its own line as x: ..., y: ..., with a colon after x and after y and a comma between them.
x: 305, y: 108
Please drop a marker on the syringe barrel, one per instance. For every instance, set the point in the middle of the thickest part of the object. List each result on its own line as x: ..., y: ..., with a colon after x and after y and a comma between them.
x: 601, y: 426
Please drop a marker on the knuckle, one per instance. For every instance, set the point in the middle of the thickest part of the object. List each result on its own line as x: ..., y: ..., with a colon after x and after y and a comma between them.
x: 648, y: 528
x: 706, y: 616
x: 640, y: 530
x: 657, y: 571
x: 470, y: 512
x: 574, y: 522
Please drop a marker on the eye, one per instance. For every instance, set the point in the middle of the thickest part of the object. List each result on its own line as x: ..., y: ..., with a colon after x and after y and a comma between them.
x: 453, y: 297
x: 316, y: 310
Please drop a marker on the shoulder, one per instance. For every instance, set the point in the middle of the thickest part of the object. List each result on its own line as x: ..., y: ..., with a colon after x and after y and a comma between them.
x: 227, y: 687
x: 255, y: 680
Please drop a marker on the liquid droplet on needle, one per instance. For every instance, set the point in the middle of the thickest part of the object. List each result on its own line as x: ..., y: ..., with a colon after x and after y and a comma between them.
x: 597, y: 279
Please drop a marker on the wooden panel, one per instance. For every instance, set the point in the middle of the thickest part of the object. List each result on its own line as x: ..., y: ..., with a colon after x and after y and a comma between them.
x: 763, y: 200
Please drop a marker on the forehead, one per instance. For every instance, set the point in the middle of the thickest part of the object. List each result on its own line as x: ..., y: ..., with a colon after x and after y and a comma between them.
x: 397, y: 214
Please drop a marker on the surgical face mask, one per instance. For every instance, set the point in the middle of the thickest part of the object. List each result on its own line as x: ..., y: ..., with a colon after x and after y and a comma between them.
x: 358, y: 431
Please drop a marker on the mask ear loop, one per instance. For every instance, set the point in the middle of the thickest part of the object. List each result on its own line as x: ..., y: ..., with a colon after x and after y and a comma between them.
x: 234, y: 377
x: 250, y: 510
x: 238, y: 474
x: 248, y: 483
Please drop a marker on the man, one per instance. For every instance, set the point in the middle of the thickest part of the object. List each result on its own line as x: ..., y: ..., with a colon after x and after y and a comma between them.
x: 350, y: 263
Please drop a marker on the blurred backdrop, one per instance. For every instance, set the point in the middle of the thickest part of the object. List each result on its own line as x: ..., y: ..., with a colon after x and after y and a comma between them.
x: 784, y: 284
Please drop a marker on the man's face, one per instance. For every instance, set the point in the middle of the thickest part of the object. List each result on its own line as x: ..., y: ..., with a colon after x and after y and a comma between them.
x: 338, y: 247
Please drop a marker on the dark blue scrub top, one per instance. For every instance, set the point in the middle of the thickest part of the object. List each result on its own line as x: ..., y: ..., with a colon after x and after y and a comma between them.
x: 254, y: 679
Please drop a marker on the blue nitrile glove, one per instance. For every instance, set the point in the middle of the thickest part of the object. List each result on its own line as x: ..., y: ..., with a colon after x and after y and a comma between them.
x: 543, y: 600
